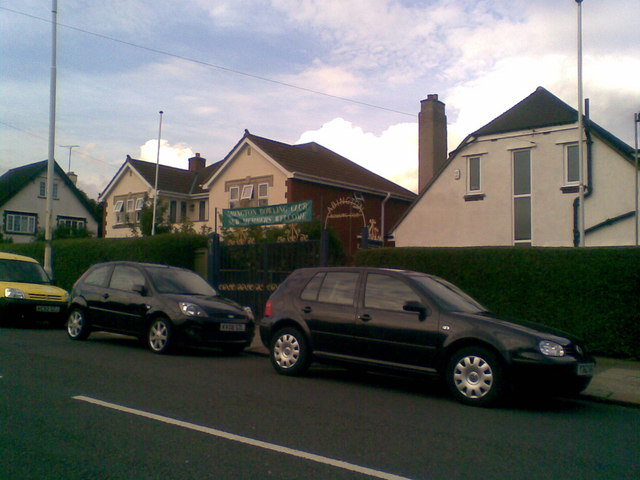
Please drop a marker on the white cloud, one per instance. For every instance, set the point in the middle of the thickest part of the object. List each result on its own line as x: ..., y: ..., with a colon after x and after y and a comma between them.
x: 392, y: 154
x: 170, y: 155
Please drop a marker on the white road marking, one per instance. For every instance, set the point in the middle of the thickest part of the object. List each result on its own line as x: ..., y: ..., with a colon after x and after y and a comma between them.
x: 246, y: 440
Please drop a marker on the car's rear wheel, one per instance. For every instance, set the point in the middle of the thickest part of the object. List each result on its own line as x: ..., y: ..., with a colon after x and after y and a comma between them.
x: 289, y: 352
x: 475, y: 376
x: 159, y: 337
x: 77, y: 324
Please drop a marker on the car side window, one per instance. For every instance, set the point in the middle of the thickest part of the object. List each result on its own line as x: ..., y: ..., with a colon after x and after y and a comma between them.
x: 98, y: 276
x: 125, y: 277
x: 388, y: 293
x: 310, y: 292
x: 339, y: 287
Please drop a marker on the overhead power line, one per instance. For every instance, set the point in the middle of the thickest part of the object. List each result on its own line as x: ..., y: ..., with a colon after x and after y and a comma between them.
x: 212, y: 65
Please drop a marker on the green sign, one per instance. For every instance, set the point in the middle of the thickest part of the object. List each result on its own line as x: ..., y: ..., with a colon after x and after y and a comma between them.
x: 297, y: 212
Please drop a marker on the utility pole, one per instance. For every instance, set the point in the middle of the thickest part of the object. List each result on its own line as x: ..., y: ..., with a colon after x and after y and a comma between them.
x: 580, y: 128
x: 635, y: 130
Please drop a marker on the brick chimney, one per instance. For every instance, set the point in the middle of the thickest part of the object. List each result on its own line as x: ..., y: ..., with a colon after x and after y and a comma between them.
x: 432, y: 139
x: 197, y: 163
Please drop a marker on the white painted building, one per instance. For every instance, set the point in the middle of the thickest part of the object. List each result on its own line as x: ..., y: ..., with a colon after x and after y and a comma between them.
x: 515, y: 181
x: 23, y: 202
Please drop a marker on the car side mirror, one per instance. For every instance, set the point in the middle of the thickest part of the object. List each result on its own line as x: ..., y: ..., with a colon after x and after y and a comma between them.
x: 140, y: 289
x: 413, y: 306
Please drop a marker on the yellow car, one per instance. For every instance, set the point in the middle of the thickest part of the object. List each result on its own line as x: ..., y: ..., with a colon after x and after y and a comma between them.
x: 26, y: 292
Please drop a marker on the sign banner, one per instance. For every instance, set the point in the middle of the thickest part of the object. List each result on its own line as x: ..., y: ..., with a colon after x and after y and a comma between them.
x: 297, y: 212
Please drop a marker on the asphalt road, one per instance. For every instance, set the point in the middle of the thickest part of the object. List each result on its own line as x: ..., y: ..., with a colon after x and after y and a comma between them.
x: 109, y: 409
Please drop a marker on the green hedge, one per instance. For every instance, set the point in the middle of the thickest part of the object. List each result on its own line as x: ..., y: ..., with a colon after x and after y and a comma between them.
x: 73, y: 256
x: 593, y: 293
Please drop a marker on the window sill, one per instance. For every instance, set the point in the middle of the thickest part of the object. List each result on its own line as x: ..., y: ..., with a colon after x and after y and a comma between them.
x: 570, y: 189
x: 474, y: 197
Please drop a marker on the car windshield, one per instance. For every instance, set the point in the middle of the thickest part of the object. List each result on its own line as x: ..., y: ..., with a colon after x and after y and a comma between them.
x: 448, y: 296
x: 171, y: 280
x: 22, y: 272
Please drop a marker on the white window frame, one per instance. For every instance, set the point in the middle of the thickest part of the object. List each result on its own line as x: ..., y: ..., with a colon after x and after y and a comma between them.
x: 247, y: 192
x: 130, y: 204
x: 469, y: 172
x: 26, y: 223
x: 568, y: 181
x: 43, y: 189
x: 118, y: 206
x: 522, y: 195
x: 139, y: 203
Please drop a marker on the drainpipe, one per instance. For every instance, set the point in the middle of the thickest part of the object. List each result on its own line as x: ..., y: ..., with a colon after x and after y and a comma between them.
x: 588, y: 188
x: 382, y: 232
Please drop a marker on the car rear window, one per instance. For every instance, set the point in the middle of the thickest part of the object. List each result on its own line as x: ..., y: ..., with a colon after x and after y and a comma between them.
x: 22, y: 272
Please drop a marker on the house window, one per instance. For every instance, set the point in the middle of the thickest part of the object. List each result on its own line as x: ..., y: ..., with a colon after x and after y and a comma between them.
x: 20, y: 223
x: 43, y: 190
x: 571, y: 165
x: 183, y: 211
x: 72, y: 222
x: 247, y: 192
x: 234, y: 196
x: 173, y: 211
x: 130, y: 205
x: 473, y: 174
x: 263, y: 194
x: 118, y: 208
x: 202, y: 211
x: 522, y: 196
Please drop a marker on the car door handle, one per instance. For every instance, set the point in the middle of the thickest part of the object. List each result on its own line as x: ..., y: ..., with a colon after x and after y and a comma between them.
x: 105, y: 295
x: 365, y: 318
x: 307, y: 310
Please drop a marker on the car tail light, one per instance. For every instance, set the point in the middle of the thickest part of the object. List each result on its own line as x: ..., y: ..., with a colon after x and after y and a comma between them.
x: 267, y: 309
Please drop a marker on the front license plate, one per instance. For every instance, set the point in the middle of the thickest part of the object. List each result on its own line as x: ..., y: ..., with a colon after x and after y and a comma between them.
x: 232, y: 327
x: 47, y: 309
x: 585, y: 369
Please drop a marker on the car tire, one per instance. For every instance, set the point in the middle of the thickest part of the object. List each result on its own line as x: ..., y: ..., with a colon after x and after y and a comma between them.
x: 159, y: 337
x: 77, y: 324
x: 475, y: 376
x: 289, y: 352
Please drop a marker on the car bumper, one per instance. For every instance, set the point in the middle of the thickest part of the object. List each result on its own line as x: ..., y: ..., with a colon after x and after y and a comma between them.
x: 216, y: 334
x: 553, y: 376
x: 28, y: 311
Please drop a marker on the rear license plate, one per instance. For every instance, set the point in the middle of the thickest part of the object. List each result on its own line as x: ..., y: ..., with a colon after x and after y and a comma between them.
x: 47, y: 309
x: 585, y: 369
x: 232, y: 327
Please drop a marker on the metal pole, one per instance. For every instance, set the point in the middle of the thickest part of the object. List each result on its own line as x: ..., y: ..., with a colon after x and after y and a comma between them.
x: 70, y: 147
x: 52, y: 142
x: 635, y: 129
x: 580, y: 127
x: 155, y: 191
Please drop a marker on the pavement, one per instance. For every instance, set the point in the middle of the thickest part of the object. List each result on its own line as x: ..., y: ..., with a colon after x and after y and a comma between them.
x: 614, y: 381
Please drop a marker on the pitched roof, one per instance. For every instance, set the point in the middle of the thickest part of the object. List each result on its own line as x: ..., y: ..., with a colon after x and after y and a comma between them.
x: 540, y: 109
x: 543, y: 109
x: 315, y: 163
x: 17, y: 178
x: 170, y: 179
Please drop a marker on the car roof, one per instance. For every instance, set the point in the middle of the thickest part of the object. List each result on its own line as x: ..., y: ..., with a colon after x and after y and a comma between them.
x: 137, y: 264
x: 15, y: 256
x: 361, y: 269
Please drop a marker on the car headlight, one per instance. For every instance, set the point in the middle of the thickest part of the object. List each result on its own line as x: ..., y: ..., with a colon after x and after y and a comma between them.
x: 551, y: 349
x: 192, y: 310
x: 14, y: 293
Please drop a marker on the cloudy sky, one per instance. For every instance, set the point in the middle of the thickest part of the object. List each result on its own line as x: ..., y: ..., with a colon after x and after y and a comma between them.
x: 348, y: 74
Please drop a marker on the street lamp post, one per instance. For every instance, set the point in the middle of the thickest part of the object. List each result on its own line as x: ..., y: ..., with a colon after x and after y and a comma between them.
x: 155, y: 191
x: 635, y: 131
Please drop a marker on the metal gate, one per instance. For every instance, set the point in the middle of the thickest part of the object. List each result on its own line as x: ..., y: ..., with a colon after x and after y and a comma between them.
x: 249, y: 273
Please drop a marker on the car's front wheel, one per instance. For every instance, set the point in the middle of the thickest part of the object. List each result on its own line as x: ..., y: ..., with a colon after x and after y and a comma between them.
x: 475, y: 376
x: 159, y: 336
x: 77, y: 325
x: 289, y: 352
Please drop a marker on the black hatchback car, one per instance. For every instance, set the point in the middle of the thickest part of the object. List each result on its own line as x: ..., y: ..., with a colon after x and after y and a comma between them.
x: 408, y: 321
x: 160, y: 304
